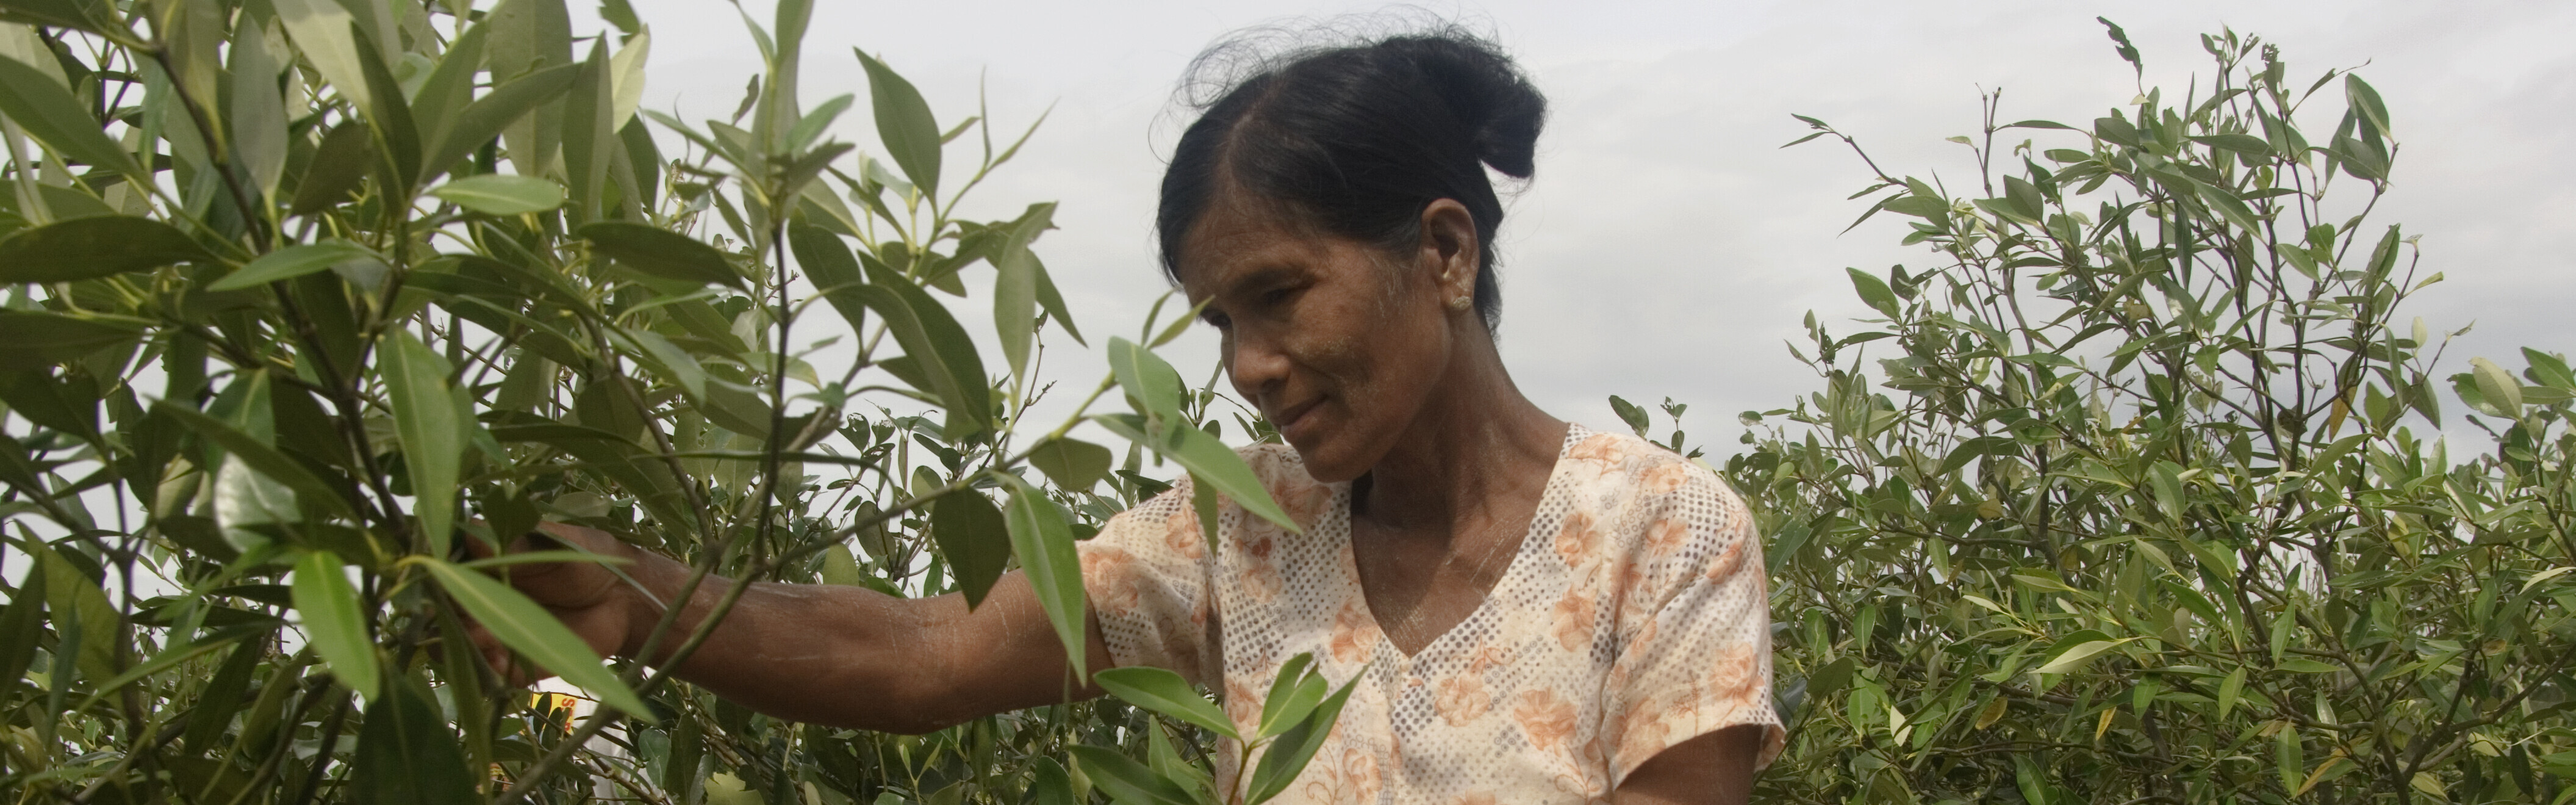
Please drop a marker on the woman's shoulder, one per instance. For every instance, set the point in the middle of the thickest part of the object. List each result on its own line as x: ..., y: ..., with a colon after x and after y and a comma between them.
x: 1623, y: 462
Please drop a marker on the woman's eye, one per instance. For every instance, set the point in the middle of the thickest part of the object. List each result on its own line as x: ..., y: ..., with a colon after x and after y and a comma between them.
x: 1277, y: 297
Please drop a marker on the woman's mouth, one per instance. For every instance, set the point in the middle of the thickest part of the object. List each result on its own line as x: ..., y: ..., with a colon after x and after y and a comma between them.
x: 1288, y: 420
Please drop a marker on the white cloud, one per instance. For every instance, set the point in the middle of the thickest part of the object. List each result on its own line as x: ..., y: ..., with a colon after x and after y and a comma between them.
x: 1667, y: 246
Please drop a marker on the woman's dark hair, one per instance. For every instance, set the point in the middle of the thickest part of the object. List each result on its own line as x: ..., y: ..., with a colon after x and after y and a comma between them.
x: 1360, y: 138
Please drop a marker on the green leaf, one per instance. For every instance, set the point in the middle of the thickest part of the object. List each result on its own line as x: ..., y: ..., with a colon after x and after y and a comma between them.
x: 1874, y: 290
x: 487, y: 117
x: 1207, y: 460
x: 258, y: 111
x: 1208, y: 507
x: 431, y: 427
x: 2301, y: 665
x: 407, y: 754
x: 1015, y: 285
x: 321, y: 30
x: 79, y: 607
x: 21, y: 626
x: 1167, y: 693
x: 1629, y: 413
x: 1053, y: 301
x: 62, y: 13
x: 2365, y: 102
x: 1152, y: 387
x: 660, y: 253
x: 2026, y: 774
x: 1970, y: 449
x: 88, y: 248
x: 171, y: 657
x: 1044, y: 544
x: 814, y: 122
x: 2548, y: 370
x: 389, y: 112
x: 2501, y: 391
x: 222, y: 696
x: 904, y: 123
x: 502, y: 194
x: 1049, y: 784
x: 1294, y: 693
x: 589, y: 137
x: 526, y: 628
x: 1074, y: 465
x: 333, y: 622
x: 974, y: 538
x: 295, y: 261
x: 1830, y: 679
x: 338, y: 170
x: 34, y: 340
x: 259, y: 456
x: 446, y: 92
x: 1288, y: 755
x: 2076, y: 656
x: 1128, y: 781
x: 931, y: 336
x: 46, y: 110
x: 827, y: 263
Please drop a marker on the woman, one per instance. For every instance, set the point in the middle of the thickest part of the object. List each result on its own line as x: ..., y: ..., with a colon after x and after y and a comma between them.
x: 1540, y: 613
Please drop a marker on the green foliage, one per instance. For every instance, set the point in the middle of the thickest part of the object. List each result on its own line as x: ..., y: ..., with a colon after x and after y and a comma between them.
x: 311, y: 301
x: 1293, y: 720
x: 2141, y: 494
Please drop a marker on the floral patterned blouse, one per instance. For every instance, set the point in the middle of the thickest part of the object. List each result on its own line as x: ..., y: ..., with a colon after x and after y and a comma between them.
x: 1634, y: 617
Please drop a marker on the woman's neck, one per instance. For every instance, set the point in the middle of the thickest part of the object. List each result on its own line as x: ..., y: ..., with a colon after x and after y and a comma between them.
x: 1477, y: 443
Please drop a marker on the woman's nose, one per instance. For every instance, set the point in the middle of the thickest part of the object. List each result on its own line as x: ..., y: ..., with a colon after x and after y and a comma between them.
x: 1255, y: 364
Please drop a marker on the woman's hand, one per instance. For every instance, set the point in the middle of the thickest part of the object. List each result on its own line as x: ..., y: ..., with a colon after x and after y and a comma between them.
x: 608, y: 613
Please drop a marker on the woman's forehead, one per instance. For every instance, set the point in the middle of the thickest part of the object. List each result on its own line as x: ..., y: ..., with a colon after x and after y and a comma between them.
x: 1236, y: 237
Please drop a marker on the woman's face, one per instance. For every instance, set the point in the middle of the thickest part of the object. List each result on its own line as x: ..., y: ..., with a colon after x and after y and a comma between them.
x: 1340, y: 343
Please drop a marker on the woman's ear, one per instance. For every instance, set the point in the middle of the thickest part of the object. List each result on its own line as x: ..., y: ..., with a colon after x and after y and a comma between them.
x: 1449, y: 241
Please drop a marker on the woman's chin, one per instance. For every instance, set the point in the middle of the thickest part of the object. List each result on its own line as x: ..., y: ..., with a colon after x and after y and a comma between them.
x: 1329, y: 462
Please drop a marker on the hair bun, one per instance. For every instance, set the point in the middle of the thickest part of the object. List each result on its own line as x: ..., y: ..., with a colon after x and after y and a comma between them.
x: 1485, y: 90
x: 1358, y: 138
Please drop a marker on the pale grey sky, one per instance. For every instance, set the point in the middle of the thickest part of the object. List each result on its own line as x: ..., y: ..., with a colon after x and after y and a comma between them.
x: 1667, y: 247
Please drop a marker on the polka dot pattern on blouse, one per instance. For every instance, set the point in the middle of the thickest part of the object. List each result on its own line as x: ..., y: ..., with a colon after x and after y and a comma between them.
x: 1633, y: 617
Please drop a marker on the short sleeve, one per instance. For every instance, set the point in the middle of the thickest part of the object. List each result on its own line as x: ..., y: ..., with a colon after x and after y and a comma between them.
x: 1147, y: 573
x: 1697, y: 627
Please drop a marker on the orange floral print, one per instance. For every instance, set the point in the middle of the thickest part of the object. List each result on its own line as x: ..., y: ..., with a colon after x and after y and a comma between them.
x: 1109, y: 572
x: 1727, y: 562
x: 1181, y: 531
x: 1574, y: 617
x: 1242, y: 705
x: 1353, y: 634
x: 1462, y: 699
x: 1545, y: 718
x: 1667, y: 536
x: 1664, y: 478
x: 1260, y: 574
x: 1350, y: 778
x: 1602, y: 449
x: 1577, y: 540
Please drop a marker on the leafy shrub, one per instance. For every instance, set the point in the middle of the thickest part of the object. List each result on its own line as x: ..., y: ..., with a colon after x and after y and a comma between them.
x: 2125, y: 499
x: 308, y: 295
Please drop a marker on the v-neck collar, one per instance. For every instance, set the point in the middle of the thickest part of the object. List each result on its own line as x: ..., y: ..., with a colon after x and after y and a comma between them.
x: 1556, y: 477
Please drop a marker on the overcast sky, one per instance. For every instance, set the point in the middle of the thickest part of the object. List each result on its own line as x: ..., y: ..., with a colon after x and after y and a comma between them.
x: 1667, y: 246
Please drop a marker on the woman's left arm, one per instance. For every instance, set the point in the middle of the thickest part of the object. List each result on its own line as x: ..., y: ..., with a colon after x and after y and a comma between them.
x: 1712, y: 769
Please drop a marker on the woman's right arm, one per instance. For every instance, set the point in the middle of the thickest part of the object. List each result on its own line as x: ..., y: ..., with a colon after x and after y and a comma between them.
x: 821, y: 654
